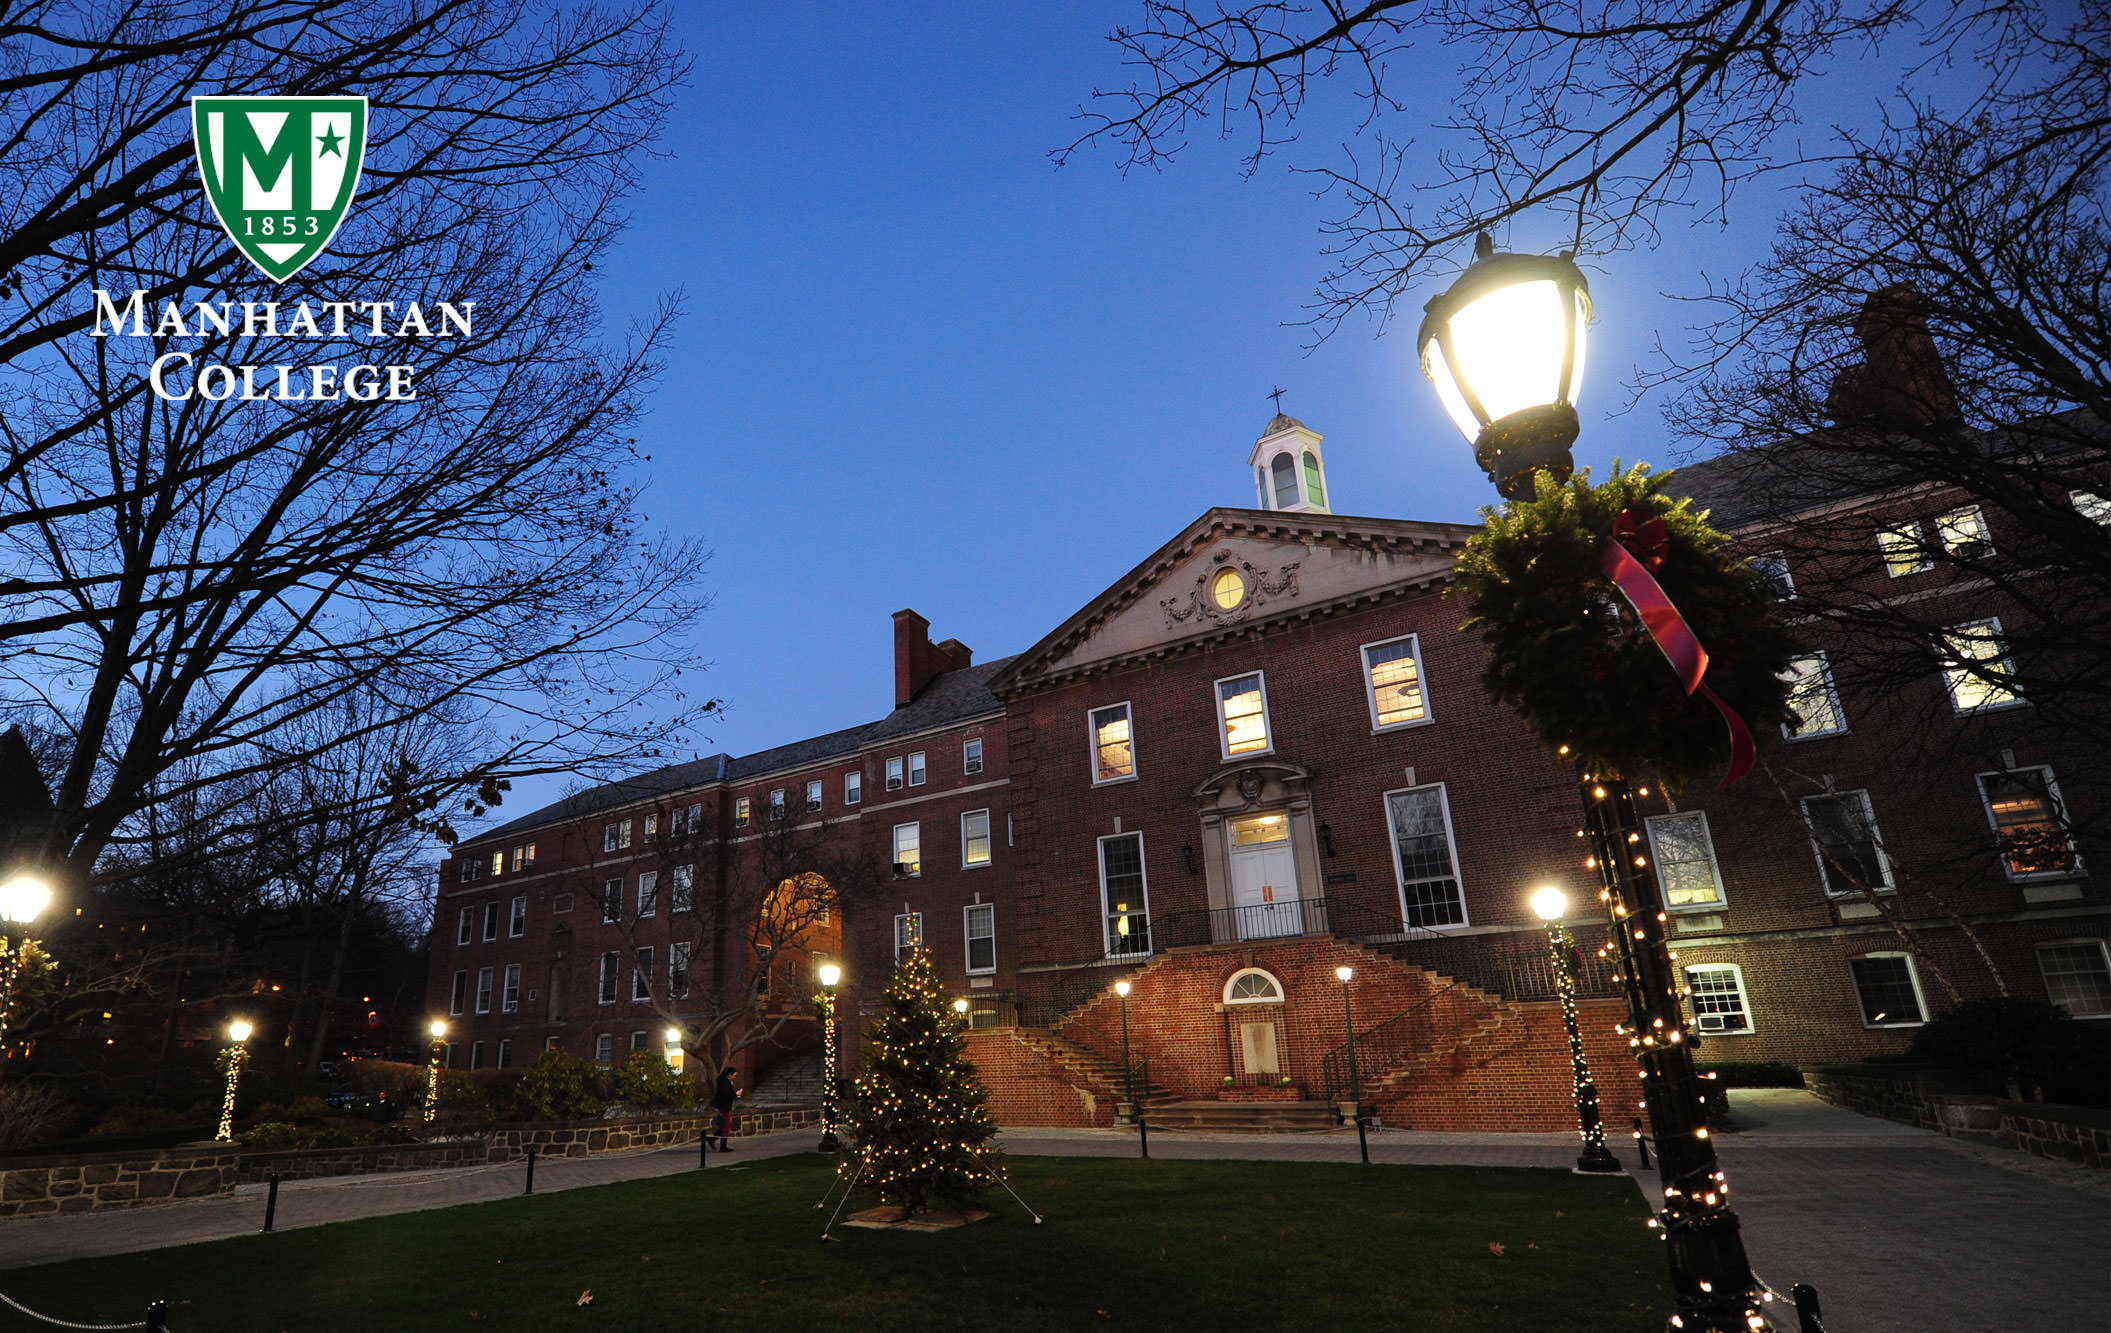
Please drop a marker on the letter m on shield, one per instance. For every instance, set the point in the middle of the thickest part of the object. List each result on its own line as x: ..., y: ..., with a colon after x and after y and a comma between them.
x: 280, y: 172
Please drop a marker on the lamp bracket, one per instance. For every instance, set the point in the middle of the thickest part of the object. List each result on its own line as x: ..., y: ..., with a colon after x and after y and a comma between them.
x: 1512, y: 448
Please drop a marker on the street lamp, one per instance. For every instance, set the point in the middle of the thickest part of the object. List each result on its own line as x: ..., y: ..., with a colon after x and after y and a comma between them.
x: 1504, y: 346
x: 22, y: 900
x: 830, y: 974
x: 1551, y: 904
x: 238, y: 1033
x: 432, y: 1071
x: 1344, y: 974
x: 1128, y: 1071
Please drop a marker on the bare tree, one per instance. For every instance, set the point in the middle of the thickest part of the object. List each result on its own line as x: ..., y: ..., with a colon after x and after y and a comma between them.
x: 201, y: 581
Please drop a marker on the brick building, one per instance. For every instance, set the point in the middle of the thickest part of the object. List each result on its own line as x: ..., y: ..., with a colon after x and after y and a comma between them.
x: 1261, y: 755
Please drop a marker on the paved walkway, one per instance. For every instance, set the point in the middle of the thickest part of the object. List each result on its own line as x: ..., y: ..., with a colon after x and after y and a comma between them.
x: 1897, y: 1228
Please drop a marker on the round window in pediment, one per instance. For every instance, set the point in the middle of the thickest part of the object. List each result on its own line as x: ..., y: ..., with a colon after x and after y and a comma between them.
x: 1227, y: 588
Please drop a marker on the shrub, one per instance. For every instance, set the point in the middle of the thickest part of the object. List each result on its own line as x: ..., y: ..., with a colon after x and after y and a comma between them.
x: 270, y: 1134
x: 388, y: 1134
x: 31, y: 1114
x: 559, y: 1086
x: 2012, y: 1047
x: 646, y: 1079
x: 125, y: 1122
x: 307, y: 1108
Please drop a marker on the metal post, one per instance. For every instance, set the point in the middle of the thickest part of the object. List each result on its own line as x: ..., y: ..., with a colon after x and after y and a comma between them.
x: 1595, y: 1155
x: 1143, y: 1135
x: 531, y: 1170
x: 703, y: 1140
x: 1641, y: 1143
x: 1711, y: 1278
x: 1363, y: 1142
x: 1128, y: 1071
x: 158, y: 1317
x: 1355, y: 1080
x: 1809, y: 1319
x: 271, y: 1202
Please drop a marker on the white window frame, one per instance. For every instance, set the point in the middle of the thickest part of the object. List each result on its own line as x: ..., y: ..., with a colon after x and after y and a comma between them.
x: 476, y: 1055
x: 681, y: 892
x: 1451, y: 844
x: 813, y: 795
x: 648, y: 893
x: 1715, y: 870
x: 2090, y: 505
x: 458, y: 994
x: 1281, y: 995
x: 604, y: 1048
x: 509, y: 990
x: 968, y: 937
x: 971, y: 756
x: 695, y: 822
x: 517, y: 920
x: 1953, y: 673
x: 652, y: 825
x: 743, y: 811
x: 465, y: 926
x: 680, y: 955
x: 1217, y: 702
x: 919, y: 769
x: 1876, y: 838
x: 2039, y: 952
x: 1744, y: 1000
x: 1092, y: 743
x: 915, y: 828
x: 1776, y: 573
x: 1910, y: 531
x: 2059, y: 808
x: 896, y: 768
x: 1832, y: 696
x: 989, y: 844
x: 484, y: 979
x: 854, y: 787
x: 1953, y: 543
x: 777, y: 803
x: 491, y: 921
x: 903, y: 941
x: 1912, y: 974
x: 1370, y: 691
x: 609, y: 984
x: 612, y: 901
x: 1143, y: 871
x: 641, y: 975
x: 505, y: 1053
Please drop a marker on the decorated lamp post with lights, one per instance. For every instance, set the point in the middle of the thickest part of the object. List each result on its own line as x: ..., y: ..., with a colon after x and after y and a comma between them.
x: 22, y: 900
x: 238, y: 1037
x: 1583, y: 593
x: 1551, y: 904
x: 830, y: 974
x: 432, y: 1070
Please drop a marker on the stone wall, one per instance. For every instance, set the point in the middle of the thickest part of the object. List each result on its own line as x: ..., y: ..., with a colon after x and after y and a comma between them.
x: 78, y: 1182
x: 309, y: 1163
x: 1926, y: 1098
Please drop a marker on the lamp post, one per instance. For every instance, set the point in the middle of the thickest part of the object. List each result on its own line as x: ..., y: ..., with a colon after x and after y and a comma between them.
x: 22, y: 900
x: 830, y: 974
x: 1551, y: 904
x: 432, y: 1071
x: 1348, y: 1018
x: 1128, y: 1070
x: 238, y: 1033
x: 1504, y: 347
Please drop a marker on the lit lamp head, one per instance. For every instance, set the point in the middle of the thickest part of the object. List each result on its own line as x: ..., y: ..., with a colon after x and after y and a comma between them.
x: 1504, y: 346
x: 674, y: 1036
x: 960, y: 1006
x: 23, y: 899
x: 830, y: 974
x: 1121, y: 988
x: 1343, y: 974
x: 439, y: 1029
x: 1550, y: 903
x: 238, y: 1031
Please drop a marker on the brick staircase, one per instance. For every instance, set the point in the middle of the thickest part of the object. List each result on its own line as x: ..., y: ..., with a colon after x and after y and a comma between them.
x: 1102, y: 1075
x: 792, y: 1080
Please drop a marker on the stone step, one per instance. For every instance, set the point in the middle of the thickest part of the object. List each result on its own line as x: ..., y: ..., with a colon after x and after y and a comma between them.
x: 1248, y: 1117
x: 793, y: 1080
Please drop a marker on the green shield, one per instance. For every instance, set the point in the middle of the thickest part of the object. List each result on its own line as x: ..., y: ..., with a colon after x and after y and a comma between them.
x: 280, y: 172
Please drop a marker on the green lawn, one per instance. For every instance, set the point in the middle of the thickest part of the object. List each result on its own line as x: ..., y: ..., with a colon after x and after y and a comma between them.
x: 1127, y: 1245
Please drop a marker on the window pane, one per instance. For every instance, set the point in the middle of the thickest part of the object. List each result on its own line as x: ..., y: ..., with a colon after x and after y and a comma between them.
x: 975, y: 838
x: 2077, y: 977
x: 1845, y: 831
x: 853, y: 788
x: 1902, y: 550
x: 1963, y: 533
x: 1245, y: 716
x: 1110, y: 732
x: 1685, y: 859
x: 641, y: 979
x: 1122, y: 883
x: 1885, y: 987
x: 971, y: 757
x: 813, y: 795
x: 894, y: 774
x: 1396, y: 683
x: 982, y: 937
x: 648, y: 892
x: 1285, y: 481
x: 2027, y: 823
x: 916, y: 769
x: 684, y: 896
x: 1810, y: 695
x: 908, y: 853
x: 1429, y: 885
x: 1313, y: 486
x: 1976, y: 667
x: 611, y: 969
x: 1773, y: 567
x: 1717, y: 1002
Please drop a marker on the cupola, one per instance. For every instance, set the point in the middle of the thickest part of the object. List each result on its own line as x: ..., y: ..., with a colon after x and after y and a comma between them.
x: 1289, y: 472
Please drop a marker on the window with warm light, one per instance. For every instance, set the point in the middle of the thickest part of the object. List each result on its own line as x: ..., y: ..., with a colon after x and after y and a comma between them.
x: 1903, y: 552
x: 1813, y: 699
x: 1113, y: 745
x: 1888, y: 988
x: 2077, y: 976
x: 1392, y: 683
x: 1685, y: 856
x: 1849, y: 848
x: 979, y: 928
x: 1242, y: 707
x: 908, y: 850
x: 974, y: 839
x: 1717, y: 1002
x: 2029, y: 823
x: 1963, y: 533
x: 1227, y: 588
x: 1424, y: 858
x: 498, y: 863
x: 1125, y: 895
x: 1976, y: 667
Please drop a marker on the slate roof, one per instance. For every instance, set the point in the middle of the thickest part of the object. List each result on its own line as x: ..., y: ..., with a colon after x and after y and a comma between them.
x: 950, y: 697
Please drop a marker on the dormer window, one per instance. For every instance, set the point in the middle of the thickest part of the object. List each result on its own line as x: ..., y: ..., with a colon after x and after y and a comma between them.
x: 1285, y: 470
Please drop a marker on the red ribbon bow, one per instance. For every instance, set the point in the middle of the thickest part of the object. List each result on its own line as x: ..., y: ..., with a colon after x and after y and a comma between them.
x: 1650, y: 540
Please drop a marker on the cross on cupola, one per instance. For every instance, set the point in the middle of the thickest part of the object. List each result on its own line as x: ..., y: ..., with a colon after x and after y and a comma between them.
x: 1289, y: 472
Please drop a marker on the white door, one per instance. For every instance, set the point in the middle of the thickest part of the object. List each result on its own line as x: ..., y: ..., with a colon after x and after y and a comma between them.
x: 1264, y: 894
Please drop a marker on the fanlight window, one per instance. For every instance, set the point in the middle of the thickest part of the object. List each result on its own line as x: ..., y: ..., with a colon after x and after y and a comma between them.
x: 1253, y: 986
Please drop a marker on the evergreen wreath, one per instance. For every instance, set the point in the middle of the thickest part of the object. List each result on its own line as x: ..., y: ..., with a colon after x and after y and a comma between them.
x: 1570, y: 655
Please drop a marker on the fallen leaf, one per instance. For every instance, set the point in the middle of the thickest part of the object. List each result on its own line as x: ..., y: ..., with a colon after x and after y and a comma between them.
x: 1495, y: 1247
x: 587, y: 1297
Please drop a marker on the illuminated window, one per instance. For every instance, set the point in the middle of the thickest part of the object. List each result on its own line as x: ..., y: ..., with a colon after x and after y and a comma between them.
x: 1424, y: 858
x: 1976, y: 667
x: 1963, y: 533
x: 975, y: 839
x: 1718, y: 999
x: 1903, y: 552
x: 1812, y: 698
x: 1392, y: 682
x: 1850, y: 850
x: 1253, y: 986
x: 1124, y: 895
x: 908, y: 856
x: 1686, y: 859
x: 2023, y: 805
x: 894, y: 774
x: 741, y: 810
x: 916, y: 769
x: 498, y: 863
x: 1888, y: 987
x: 908, y: 933
x: 1242, y: 703
x: 2077, y: 976
x: 1227, y: 588
x: 979, y: 928
x: 853, y: 787
x: 1113, y: 749
x: 971, y: 757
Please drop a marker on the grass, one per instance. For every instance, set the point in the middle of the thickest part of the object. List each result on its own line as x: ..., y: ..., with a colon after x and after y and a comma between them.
x: 1127, y: 1245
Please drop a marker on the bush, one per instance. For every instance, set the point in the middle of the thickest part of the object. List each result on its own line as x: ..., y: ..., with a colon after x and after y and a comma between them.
x: 307, y: 1109
x: 646, y: 1079
x: 270, y: 1134
x: 560, y: 1086
x: 1755, y: 1074
x: 384, y: 1135
x: 2021, y: 1049
x: 126, y: 1122
x: 32, y: 1114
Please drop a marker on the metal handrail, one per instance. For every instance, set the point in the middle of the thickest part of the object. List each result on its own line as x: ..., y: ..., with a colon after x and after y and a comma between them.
x: 1383, y: 1045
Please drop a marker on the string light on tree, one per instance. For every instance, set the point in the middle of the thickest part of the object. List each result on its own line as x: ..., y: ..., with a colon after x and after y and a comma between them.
x: 237, y: 1033
x: 1551, y: 904
x: 22, y: 900
x: 432, y: 1072
x: 829, y: 974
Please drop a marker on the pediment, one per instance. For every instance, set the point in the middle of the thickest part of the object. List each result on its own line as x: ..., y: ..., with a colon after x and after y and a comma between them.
x: 1290, y: 567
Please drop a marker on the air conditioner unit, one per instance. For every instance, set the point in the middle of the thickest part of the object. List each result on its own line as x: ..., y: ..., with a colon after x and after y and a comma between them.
x: 1713, y: 1023
x: 904, y: 868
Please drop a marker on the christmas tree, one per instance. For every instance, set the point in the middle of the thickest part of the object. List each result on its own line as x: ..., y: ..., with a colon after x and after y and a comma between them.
x: 923, y: 1127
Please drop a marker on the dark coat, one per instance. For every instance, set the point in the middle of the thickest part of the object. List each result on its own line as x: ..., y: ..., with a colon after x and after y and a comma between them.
x: 722, y: 1095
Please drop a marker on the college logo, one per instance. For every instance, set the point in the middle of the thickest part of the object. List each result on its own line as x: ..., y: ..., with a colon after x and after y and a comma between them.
x: 280, y: 172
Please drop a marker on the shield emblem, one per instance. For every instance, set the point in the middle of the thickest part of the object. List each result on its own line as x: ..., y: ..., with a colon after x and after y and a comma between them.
x: 280, y: 172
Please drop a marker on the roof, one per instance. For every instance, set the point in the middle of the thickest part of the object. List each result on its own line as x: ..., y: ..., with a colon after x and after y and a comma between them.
x: 950, y: 697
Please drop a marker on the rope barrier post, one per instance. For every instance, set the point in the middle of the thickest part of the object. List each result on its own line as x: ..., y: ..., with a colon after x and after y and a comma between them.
x: 271, y: 1202
x: 158, y: 1317
x: 703, y: 1144
x: 1809, y: 1319
x: 531, y: 1170
x: 1641, y: 1143
x: 1143, y: 1135
x: 1363, y: 1142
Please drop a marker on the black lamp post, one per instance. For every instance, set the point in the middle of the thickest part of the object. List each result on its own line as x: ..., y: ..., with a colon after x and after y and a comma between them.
x: 830, y: 974
x: 1128, y: 1070
x: 1504, y: 346
x: 22, y: 899
x: 1551, y: 903
x: 1348, y: 1017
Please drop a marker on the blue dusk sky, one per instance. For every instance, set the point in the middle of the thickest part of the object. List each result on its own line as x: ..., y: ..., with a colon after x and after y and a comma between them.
x: 919, y: 366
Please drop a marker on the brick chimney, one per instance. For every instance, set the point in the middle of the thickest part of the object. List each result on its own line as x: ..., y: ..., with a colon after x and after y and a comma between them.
x: 1900, y: 380
x: 917, y: 659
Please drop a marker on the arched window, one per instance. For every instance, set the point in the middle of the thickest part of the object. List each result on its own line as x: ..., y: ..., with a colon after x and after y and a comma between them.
x: 1315, y: 489
x: 1285, y: 481
x: 1253, y: 986
x: 1260, y: 484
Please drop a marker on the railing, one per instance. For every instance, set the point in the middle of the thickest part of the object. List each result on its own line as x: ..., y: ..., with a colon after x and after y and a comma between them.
x: 1519, y: 966
x: 1411, y: 1032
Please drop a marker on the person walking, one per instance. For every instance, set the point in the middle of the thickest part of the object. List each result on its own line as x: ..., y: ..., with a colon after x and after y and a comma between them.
x: 722, y: 1101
